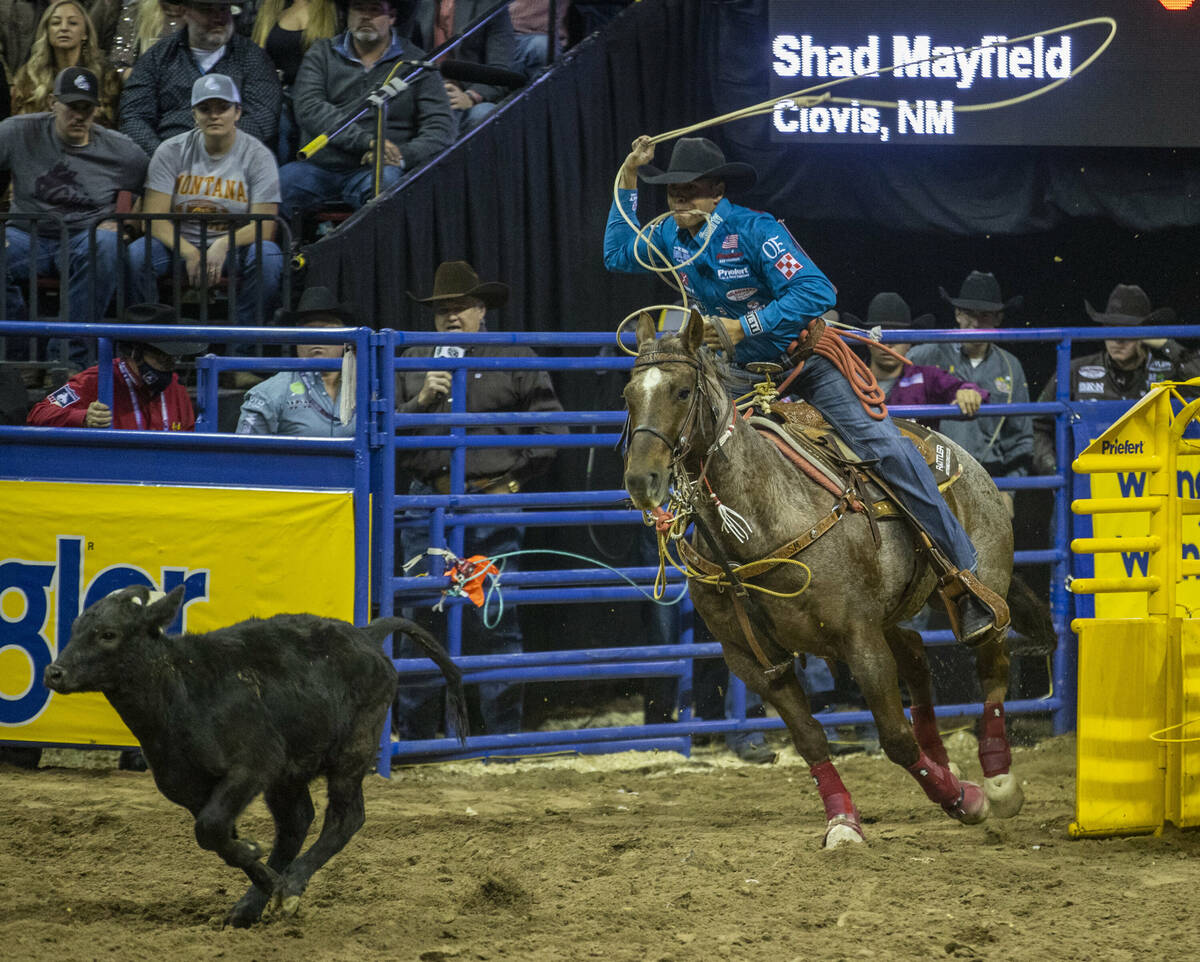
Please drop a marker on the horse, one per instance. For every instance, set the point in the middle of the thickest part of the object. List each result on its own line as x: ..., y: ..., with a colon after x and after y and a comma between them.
x: 848, y: 596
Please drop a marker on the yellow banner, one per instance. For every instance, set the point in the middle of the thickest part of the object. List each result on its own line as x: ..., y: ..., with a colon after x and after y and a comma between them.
x: 240, y: 553
x: 1137, y: 439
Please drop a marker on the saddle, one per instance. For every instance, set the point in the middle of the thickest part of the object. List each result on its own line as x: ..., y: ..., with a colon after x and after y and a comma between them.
x: 800, y: 428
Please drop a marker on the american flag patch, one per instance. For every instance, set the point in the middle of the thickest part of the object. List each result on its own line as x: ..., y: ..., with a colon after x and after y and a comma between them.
x: 65, y: 396
x: 730, y: 242
x: 787, y: 265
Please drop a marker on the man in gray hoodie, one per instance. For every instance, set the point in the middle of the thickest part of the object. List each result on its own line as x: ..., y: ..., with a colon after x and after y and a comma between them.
x: 334, y: 79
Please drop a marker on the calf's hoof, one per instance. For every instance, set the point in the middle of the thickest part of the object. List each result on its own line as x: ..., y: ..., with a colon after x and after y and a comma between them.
x: 1004, y: 795
x: 843, y: 830
x: 971, y: 807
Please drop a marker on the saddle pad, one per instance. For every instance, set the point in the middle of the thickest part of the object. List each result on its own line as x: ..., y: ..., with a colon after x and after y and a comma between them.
x: 805, y: 423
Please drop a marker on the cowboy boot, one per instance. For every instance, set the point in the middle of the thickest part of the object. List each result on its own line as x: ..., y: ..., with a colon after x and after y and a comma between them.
x: 973, y: 608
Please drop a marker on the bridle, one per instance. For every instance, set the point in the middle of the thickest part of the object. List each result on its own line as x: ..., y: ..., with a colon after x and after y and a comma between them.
x: 682, y: 444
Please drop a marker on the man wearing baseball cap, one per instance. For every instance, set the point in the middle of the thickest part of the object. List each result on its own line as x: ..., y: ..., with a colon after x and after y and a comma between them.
x: 66, y: 169
x: 155, y: 102
x: 147, y: 395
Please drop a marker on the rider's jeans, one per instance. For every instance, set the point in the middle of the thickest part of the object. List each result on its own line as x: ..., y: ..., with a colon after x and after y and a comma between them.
x: 826, y: 389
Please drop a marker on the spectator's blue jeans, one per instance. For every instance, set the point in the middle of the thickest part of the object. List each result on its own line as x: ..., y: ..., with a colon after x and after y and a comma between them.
x: 531, y: 54
x: 418, y: 704
x: 251, y: 276
x: 826, y: 389
x: 303, y: 184
x: 82, y: 307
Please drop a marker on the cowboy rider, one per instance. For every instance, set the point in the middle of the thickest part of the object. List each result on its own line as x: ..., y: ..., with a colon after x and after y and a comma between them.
x: 753, y: 280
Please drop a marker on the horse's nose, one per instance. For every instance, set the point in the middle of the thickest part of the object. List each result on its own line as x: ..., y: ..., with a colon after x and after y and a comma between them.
x: 645, y: 487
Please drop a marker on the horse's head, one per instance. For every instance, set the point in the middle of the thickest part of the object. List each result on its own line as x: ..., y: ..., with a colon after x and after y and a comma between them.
x: 663, y: 397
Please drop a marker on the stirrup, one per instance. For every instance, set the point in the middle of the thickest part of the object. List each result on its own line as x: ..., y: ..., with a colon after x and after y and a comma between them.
x: 955, y: 583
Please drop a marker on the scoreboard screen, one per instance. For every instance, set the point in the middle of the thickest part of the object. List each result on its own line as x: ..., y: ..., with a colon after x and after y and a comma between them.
x: 954, y: 56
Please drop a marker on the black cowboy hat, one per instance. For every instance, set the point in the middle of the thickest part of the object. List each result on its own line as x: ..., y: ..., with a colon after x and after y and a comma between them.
x: 160, y: 314
x: 696, y: 157
x: 315, y: 303
x: 1128, y: 305
x: 981, y: 292
x: 891, y: 312
x: 454, y: 279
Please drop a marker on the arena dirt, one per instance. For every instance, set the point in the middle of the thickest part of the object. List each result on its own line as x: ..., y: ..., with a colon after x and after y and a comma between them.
x: 630, y: 857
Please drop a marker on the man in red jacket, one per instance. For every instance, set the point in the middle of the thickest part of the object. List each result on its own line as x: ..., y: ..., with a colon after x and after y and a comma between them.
x: 147, y: 395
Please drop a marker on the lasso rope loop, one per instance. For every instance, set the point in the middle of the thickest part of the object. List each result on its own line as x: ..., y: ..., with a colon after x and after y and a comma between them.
x: 817, y: 94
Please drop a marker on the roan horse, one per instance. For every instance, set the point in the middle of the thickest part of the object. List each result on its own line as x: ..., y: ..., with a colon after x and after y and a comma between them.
x: 683, y: 427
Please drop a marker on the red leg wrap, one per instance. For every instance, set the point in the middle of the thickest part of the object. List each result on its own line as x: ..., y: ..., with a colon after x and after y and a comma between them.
x: 937, y: 781
x: 833, y: 792
x: 994, y: 756
x: 924, y: 724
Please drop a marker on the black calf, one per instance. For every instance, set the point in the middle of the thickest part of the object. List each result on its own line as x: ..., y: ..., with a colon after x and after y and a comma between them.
x: 260, y: 706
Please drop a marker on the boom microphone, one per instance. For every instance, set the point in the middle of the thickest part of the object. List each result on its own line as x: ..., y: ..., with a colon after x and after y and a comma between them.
x: 480, y: 73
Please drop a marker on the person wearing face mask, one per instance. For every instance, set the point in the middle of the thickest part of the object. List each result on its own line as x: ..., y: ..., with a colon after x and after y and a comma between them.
x: 147, y: 395
x: 313, y: 404
x: 156, y: 100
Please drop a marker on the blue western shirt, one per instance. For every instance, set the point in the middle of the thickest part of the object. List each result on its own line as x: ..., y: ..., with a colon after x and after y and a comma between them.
x: 752, y: 269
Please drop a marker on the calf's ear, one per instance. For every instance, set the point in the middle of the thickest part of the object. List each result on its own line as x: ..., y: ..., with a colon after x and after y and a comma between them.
x: 163, y: 611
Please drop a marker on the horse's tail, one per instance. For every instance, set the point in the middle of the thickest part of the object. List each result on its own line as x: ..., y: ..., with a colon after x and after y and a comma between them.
x: 1031, y: 620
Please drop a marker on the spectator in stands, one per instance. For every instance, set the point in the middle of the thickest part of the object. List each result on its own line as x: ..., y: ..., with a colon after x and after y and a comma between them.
x: 460, y: 303
x: 335, y: 78
x: 65, y: 38
x: 912, y: 383
x: 1124, y: 371
x: 215, y: 168
x: 128, y: 28
x: 286, y: 33
x: 18, y: 26
x: 531, y: 23
x: 1003, y: 445
x: 147, y: 395
x: 437, y: 22
x: 64, y: 165
x: 154, y: 103
x: 314, y: 404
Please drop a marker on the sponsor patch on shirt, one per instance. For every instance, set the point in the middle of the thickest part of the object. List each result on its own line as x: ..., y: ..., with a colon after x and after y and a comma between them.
x: 730, y: 242
x: 741, y: 293
x: 732, y: 273
x: 1158, y: 364
x: 1091, y: 387
x: 1003, y: 384
x: 788, y: 266
x: 917, y: 377
x: 681, y: 254
x: 753, y: 323
x: 1091, y: 370
x: 65, y: 396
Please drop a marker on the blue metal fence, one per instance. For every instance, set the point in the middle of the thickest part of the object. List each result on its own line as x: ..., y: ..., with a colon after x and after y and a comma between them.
x: 367, y: 463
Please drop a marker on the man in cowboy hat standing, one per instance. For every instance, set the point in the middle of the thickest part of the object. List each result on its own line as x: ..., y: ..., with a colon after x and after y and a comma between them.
x: 1003, y: 445
x: 912, y: 383
x: 147, y: 395
x: 1124, y: 371
x: 760, y: 290
x: 311, y: 404
x: 460, y: 303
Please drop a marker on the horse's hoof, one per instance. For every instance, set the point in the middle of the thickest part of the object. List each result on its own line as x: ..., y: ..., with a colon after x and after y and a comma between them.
x: 971, y: 807
x: 289, y: 906
x: 843, y: 830
x: 1004, y: 795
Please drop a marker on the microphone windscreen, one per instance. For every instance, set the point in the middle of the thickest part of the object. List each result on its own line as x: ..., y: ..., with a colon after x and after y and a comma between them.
x: 480, y: 73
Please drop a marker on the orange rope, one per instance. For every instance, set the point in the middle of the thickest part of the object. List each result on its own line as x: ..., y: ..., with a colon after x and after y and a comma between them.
x: 833, y: 347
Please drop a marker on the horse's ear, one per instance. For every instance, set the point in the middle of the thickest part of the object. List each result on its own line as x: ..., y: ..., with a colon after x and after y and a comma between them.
x: 646, y: 329
x: 693, y: 333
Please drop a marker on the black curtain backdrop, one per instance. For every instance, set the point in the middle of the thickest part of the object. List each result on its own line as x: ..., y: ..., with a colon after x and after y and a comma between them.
x: 525, y: 199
